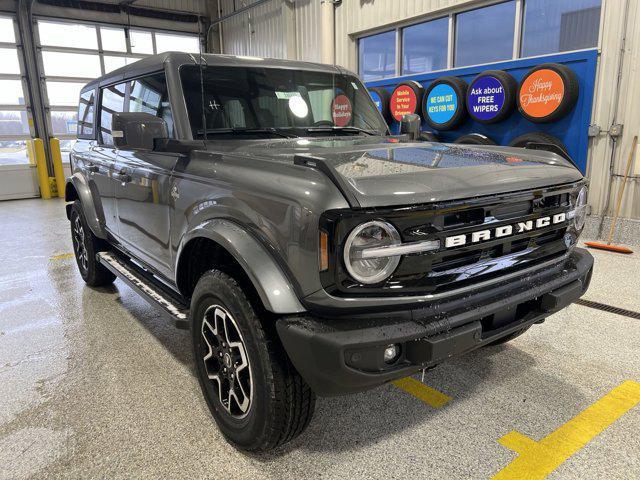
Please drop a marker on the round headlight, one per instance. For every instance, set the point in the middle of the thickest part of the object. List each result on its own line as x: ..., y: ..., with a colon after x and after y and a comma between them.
x: 361, y: 266
x: 580, y: 209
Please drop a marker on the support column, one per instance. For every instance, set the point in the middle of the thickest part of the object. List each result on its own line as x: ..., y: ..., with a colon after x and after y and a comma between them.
x: 328, y: 31
x: 33, y: 79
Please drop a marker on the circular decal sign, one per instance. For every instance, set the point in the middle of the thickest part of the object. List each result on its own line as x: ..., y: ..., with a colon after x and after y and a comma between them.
x: 341, y: 110
x: 377, y: 100
x: 541, y: 93
x: 485, y: 98
x: 403, y: 102
x: 442, y: 103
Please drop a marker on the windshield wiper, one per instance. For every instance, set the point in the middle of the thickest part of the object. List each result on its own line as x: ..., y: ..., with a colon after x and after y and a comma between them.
x: 341, y: 129
x: 244, y: 130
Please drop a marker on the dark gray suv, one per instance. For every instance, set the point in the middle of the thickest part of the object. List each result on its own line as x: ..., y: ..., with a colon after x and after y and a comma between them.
x: 264, y: 205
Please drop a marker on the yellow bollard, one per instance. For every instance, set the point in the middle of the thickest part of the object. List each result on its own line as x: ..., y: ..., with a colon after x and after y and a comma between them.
x: 58, y: 170
x: 35, y: 150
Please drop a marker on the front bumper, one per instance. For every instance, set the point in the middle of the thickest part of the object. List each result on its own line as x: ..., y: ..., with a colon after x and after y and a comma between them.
x: 338, y: 355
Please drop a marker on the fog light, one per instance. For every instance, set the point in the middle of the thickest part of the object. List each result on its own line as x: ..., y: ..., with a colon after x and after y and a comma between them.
x: 391, y: 353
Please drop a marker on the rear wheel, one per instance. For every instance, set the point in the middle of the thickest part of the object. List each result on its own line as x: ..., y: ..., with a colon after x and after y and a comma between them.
x: 254, y: 393
x: 85, y: 247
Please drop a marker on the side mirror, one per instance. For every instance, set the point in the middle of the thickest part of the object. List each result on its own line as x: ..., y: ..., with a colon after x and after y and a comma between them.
x: 410, y: 125
x: 137, y: 130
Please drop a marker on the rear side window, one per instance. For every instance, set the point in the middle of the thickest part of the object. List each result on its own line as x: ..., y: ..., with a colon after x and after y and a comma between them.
x: 150, y: 95
x: 112, y: 101
x: 86, y: 109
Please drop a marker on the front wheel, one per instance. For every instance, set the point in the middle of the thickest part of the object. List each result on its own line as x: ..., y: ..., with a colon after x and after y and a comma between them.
x: 254, y: 393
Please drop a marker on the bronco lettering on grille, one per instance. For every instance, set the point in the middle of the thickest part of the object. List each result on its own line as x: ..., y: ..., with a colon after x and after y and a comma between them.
x: 503, y: 231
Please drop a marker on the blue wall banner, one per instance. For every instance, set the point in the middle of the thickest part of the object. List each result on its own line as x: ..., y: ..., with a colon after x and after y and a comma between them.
x: 571, y: 129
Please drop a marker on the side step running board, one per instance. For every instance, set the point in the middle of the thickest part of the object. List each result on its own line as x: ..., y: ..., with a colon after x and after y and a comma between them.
x: 146, y: 288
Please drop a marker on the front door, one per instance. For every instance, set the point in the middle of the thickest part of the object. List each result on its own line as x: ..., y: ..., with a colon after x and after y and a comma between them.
x: 142, y: 185
x: 142, y: 191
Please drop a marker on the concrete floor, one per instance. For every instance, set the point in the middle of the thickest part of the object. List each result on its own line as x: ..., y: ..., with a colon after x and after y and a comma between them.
x: 96, y: 384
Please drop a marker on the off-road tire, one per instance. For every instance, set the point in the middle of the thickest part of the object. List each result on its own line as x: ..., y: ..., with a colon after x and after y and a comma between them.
x: 85, y: 247
x: 281, y: 403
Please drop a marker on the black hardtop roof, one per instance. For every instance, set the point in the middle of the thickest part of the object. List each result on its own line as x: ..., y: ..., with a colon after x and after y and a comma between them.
x: 157, y: 62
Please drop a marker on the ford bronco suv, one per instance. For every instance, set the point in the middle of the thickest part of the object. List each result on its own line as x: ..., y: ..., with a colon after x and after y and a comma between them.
x: 265, y: 206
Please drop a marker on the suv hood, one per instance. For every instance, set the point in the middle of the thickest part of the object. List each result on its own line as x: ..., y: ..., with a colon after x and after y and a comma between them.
x: 379, y: 172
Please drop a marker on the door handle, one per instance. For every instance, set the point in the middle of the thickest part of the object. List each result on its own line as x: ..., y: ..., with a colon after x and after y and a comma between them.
x: 123, y: 176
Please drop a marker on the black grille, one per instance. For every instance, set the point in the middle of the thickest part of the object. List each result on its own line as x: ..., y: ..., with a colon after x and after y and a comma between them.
x: 450, y: 268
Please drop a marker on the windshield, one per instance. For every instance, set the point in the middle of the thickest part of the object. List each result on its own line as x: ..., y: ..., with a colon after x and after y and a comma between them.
x: 277, y: 101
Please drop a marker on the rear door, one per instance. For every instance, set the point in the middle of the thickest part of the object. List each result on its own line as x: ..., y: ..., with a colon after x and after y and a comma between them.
x: 142, y: 186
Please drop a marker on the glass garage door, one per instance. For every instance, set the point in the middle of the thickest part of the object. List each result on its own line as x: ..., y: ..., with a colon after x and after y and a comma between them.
x: 17, y: 178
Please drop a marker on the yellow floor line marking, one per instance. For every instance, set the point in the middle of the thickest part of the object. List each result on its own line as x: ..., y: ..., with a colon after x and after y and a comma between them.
x: 62, y: 256
x: 419, y: 390
x: 539, y: 459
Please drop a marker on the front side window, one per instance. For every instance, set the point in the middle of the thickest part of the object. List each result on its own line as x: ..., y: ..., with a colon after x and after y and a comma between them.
x: 112, y: 101
x: 551, y: 26
x: 150, y: 95
x: 485, y: 35
x: 377, y: 56
x: 287, y: 101
x: 86, y: 114
x: 424, y: 47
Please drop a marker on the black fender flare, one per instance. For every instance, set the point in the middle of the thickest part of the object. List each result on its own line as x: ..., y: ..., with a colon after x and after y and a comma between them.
x: 269, y: 279
x: 77, y: 183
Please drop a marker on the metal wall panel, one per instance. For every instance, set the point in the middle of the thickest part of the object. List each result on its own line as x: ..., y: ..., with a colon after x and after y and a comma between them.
x: 307, y: 28
x: 258, y: 31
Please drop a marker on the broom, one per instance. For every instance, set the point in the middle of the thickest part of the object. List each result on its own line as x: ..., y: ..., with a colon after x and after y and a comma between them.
x: 608, y: 246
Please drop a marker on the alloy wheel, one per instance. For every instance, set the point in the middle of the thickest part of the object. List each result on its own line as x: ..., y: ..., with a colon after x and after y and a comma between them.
x: 79, y: 245
x: 226, y: 361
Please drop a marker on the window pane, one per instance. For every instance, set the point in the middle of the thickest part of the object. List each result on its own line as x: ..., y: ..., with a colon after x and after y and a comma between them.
x: 111, y: 63
x: 13, y: 122
x: 112, y: 102
x: 551, y: 26
x: 59, y: 34
x: 11, y: 92
x: 64, y: 123
x: 63, y: 93
x: 65, y: 148
x: 86, y: 108
x: 424, y: 47
x: 9, y: 60
x: 71, y: 64
x: 485, y: 35
x: 150, y: 95
x: 141, y: 42
x: 13, y: 152
x: 7, y: 33
x: 377, y: 56
x: 113, y: 39
x: 167, y: 42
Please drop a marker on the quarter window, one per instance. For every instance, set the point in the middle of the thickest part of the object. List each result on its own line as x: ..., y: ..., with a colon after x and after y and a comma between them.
x: 86, y: 114
x: 112, y: 102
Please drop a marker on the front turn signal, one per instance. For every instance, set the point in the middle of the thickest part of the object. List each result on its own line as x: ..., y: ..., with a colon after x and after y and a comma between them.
x: 323, y: 258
